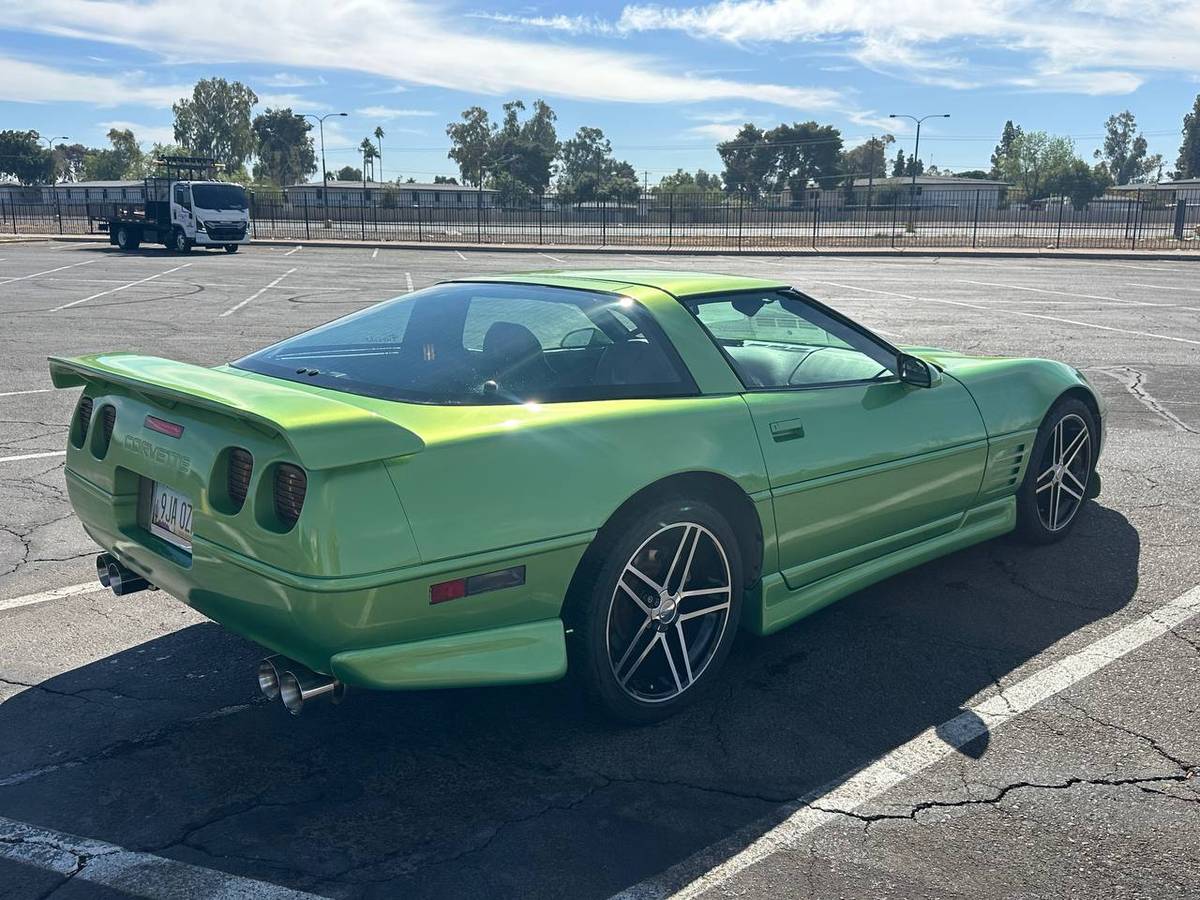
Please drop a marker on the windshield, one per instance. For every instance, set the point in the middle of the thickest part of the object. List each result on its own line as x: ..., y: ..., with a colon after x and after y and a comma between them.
x: 218, y: 196
x: 486, y: 343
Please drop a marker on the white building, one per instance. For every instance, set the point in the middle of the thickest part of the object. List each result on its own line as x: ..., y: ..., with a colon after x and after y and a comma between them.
x: 385, y: 195
x: 940, y: 190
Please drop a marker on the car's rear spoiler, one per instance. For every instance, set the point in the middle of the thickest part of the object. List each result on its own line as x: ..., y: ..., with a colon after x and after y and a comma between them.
x: 323, y: 431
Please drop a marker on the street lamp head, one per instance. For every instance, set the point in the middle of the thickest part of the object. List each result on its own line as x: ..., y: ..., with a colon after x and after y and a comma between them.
x: 343, y: 114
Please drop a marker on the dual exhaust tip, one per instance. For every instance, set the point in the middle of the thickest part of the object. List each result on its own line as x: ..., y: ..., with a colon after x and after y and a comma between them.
x: 120, y: 579
x: 295, y: 684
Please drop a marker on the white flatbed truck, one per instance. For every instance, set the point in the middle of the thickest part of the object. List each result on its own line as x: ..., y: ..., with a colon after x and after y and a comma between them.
x: 184, y: 207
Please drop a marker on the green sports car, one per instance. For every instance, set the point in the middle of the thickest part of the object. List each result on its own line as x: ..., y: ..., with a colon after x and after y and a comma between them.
x: 495, y: 480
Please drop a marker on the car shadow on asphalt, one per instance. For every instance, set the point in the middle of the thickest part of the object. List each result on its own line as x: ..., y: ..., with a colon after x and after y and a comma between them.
x: 524, y: 792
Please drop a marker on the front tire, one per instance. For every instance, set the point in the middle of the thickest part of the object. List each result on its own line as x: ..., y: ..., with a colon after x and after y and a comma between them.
x: 231, y: 248
x: 660, y: 612
x: 1059, y: 473
x: 180, y: 242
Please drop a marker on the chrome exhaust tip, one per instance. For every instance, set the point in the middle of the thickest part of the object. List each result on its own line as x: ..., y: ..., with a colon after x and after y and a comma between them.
x: 103, y: 561
x: 298, y: 686
x: 122, y: 581
x: 268, y: 675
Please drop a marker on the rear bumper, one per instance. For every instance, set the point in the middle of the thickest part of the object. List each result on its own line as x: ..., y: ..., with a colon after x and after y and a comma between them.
x: 376, y: 630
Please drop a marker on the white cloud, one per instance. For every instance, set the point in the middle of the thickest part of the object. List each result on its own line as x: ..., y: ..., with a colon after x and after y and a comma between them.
x: 405, y: 40
x: 28, y: 82
x: 568, y: 24
x: 391, y: 112
x: 714, y: 131
x: 1031, y: 44
x: 294, y: 102
x: 289, y: 80
x: 145, y: 134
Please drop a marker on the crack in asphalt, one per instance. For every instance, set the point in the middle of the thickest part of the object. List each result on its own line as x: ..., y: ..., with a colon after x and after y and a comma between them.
x: 1134, y: 382
x: 82, y: 858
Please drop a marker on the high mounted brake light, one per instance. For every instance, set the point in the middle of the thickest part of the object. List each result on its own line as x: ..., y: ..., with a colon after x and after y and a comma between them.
x: 162, y: 426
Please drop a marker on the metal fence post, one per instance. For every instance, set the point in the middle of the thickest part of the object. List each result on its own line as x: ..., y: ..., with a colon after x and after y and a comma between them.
x: 741, y: 208
x: 307, y: 234
x: 975, y: 224
x: 1062, y: 207
x: 1137, y: 221
x: 541, y: 202
x: 420, y: 234
x: 895, y: 209
x: 670, y: 220
x: 362, y: 214
x: 603, y: 223
x: 816, y: 218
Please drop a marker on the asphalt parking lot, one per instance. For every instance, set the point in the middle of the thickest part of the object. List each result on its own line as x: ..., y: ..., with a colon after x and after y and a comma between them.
x: 1004, y: 722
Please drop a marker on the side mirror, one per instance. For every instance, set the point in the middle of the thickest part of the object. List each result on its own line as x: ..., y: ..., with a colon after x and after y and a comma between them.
x: 916, y: 372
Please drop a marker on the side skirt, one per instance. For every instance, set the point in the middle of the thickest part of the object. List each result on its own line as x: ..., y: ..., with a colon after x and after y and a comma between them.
x: 776, y: 606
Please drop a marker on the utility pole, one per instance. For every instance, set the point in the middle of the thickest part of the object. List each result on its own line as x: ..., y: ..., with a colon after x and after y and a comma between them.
x: 916, y: 153
x: 324, y: 170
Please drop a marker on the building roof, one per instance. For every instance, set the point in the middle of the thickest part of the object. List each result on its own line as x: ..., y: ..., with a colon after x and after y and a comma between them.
x: 949, y: 181
x: 1181, y: 184
x: 391, y: 185
x: 94, y: 184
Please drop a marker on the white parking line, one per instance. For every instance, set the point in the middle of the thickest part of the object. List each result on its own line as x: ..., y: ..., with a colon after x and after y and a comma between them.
x: 716, y: 865
x: 408, y: 281
x: 54, y: 594
x: 19, y: 393
x: 46, y: 455
x: 460, y: 256
x: 121, y: 288
x: 1162, y: 287
x: 1015, y: 312
x: 257, y: 294
x: 128, y: 873
x: 548, y: 256
x: 294, y: 250
x: 374, y: 253
x: 1014, y: 287
x: 86, y: 262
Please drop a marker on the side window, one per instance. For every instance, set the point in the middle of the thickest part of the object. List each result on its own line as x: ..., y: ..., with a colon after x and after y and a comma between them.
x: 549, y: 322
x: 181, y: 196
x: 777, y: 340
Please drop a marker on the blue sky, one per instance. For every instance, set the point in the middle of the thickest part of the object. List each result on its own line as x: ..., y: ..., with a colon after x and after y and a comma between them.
x: 665, y: 82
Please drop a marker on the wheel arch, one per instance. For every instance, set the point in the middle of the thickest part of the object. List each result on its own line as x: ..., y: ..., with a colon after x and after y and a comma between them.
x: 725, y: 494
x: 1088, y: 398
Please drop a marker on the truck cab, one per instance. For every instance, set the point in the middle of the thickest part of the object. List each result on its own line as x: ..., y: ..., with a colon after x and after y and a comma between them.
x: 210, y: 213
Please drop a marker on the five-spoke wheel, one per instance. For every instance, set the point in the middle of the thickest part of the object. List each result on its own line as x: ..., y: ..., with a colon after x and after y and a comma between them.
x: 654, y: 621
x: 1059, y: 472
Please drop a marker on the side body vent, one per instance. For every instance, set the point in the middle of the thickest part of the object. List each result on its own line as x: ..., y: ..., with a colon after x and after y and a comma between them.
x: 108, y: 420
x: 83, y: 418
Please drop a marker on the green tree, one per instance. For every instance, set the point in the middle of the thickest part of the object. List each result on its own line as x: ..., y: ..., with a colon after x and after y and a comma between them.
x: 974, y: 173
x: 69, y: 161
x: 347, y: 173
x: 1004, y: 149
x: 24, y: 158
x: 1080, y: 182
x: 216, y: 121
x: 1125, y: 151
x: 124, y: 160
x: 379, y: 136
x: 1037, y: 160
x: 805, y: 152
x: 1188, y: 164
x: 899, y: 165
x: 369, y: 155
x: 749, y: 161
x: 681, y: 182
x: 285, y: 150
x: 588, y: 171
x: 528, y: 148
x: 470, y: 143
x: 444, y: 179
x: 868, y: 159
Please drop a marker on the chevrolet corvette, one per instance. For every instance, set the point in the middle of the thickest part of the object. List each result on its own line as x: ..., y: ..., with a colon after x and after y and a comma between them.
x: 497, y: 480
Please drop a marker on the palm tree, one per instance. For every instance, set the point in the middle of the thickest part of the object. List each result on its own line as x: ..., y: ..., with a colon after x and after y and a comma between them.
x: 368, y: 153
x: 379, y: 138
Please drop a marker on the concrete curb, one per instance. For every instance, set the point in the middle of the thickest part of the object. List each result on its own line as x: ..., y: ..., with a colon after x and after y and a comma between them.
x: 866, y: 252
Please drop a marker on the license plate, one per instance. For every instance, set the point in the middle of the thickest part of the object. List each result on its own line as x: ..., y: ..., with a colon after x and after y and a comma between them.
x: 171, y: 516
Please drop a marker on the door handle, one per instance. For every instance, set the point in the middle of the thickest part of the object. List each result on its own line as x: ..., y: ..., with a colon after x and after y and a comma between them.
x: 787, y: 430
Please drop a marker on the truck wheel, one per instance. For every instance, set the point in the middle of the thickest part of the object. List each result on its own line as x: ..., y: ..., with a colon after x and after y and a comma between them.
x: 126, y: 238
x: 180, y: 242
x: 231, y: 248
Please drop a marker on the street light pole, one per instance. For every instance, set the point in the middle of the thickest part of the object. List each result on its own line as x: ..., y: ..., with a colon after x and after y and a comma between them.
x: 916, y: 151
x: 324, y: 171
x: 53, y: 168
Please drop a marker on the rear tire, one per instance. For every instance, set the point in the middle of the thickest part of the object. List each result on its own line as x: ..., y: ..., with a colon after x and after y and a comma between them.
x: 180, y: 242
x: 657, y: 614
x: 1059, y: 473
x: 127, y: 240
x: 231, y: 248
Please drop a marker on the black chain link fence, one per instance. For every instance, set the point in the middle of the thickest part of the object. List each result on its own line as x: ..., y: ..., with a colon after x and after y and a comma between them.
x: 1148, y: 219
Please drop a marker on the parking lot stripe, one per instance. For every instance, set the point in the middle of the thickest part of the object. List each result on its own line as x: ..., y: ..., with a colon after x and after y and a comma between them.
x: 86, y: 262
x: 127, y: 872
x: 256, y: 294
x: 1015, y: 312
x: 53, y: 594
x: 19, y: 393
x: 48, y: 453
x: 1014, y: 287
x: 408, y: 281
x: 548, y: 256
x: 374, y: 253
x: 705, y: 871
x: 294, y: 250
x: 121, y: 288
x: 1162, y: 287
x: 460, y: 255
